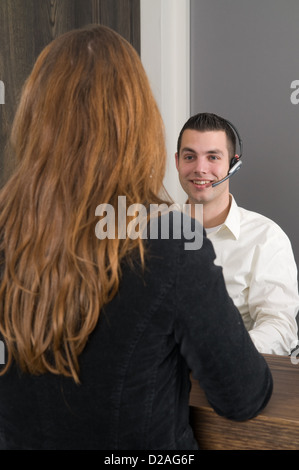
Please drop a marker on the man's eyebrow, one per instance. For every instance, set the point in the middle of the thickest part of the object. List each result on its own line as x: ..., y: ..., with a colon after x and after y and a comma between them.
x: 215, y: 151
x: 188, y: 149
x: 212, y: 151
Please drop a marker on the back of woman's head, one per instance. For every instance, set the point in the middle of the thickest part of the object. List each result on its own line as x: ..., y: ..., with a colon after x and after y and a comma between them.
x: 88, y: 114
x: 86, y: 131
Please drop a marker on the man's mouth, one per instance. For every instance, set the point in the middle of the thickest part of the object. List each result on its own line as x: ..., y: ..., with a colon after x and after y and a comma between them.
x: 202, y: 183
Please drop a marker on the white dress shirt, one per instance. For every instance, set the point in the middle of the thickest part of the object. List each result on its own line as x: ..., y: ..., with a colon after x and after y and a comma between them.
x: 261, y: 277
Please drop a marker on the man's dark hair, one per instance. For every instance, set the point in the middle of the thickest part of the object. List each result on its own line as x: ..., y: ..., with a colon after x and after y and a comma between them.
x: 210, y: 122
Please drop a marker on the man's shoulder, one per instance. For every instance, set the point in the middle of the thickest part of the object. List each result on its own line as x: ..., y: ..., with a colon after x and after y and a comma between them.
x: 250, y: 215
x: 256, y: 222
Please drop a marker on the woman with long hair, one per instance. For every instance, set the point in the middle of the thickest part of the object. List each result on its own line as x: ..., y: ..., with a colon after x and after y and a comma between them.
x: 100, y: 334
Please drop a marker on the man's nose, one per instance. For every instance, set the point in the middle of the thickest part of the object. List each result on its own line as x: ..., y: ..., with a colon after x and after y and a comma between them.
x: 202, y: 166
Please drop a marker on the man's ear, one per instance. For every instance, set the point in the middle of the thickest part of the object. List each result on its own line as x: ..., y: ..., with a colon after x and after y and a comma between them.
x: 177, y: 161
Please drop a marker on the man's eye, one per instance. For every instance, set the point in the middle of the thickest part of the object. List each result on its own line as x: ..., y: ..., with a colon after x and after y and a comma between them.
x: 213, y: 157
x: 189, y: 157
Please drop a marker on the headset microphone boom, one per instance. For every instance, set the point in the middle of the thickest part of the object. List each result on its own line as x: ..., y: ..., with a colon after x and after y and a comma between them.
x: 236, y: 162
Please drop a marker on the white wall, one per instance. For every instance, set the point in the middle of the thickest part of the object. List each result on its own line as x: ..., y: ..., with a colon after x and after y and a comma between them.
x: 165, y: 54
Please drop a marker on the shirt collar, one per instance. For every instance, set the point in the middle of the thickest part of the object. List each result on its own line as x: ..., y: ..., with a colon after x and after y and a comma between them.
x: 232, y: 221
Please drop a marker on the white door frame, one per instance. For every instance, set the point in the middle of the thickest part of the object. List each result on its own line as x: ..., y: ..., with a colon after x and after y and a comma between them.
x: 165, y: 54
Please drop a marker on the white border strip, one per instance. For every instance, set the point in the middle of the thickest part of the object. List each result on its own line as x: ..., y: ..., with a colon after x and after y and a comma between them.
x: 165, y: 54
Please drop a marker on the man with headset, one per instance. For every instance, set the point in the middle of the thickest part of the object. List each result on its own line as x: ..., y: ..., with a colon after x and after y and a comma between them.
x: 256, y: 255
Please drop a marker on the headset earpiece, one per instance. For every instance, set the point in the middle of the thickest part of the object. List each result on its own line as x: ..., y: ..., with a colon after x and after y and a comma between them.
x: 234, y: 161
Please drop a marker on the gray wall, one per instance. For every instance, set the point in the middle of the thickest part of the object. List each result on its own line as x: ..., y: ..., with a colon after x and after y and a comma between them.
x: 244, y: 58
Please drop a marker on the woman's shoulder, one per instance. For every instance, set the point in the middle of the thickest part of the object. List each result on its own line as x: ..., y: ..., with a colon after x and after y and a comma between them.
x: 179, y: 240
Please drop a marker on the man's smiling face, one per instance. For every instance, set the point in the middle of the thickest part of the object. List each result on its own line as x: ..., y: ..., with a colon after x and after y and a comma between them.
x: 203, y: 160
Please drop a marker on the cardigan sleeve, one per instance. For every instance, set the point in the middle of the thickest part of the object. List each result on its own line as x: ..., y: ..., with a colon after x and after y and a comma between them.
x: 214, y: 341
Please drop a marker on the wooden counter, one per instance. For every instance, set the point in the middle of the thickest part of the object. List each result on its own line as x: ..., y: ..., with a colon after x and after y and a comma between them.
x: 276, y: 428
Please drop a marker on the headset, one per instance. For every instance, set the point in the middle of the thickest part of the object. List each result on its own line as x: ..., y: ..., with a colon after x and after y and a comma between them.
x: 236, y: 162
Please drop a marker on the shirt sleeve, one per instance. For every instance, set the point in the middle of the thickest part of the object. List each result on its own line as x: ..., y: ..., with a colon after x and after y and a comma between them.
x: 214, y: 341
x: 273, y: 295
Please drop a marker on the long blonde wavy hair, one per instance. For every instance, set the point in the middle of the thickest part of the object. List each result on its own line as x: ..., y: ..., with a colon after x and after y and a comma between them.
x: 87, y: 130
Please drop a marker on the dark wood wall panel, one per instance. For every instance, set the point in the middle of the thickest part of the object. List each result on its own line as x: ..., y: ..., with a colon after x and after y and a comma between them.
x: 27, y: 26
